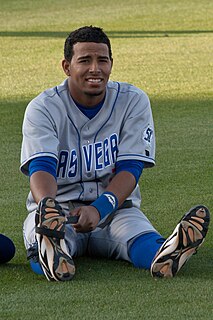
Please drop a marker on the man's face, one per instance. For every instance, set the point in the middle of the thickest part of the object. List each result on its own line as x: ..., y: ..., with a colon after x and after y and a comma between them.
x: 88, y: 72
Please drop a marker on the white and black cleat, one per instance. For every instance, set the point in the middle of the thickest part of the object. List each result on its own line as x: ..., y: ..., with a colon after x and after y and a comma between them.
x: 187, y: 237
x: 54, y: 258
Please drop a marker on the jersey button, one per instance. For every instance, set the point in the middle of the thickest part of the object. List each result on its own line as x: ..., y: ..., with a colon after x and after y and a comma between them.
x: 90, y: 190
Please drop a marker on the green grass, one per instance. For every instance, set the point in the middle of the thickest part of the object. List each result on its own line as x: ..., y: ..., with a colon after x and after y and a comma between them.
x: 165, y: 48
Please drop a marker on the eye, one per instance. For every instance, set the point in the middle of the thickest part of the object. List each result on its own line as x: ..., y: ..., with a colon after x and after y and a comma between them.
x: 84, y: 61
x: 104, y: 60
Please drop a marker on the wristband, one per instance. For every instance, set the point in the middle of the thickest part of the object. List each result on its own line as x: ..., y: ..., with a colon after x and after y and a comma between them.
x: 106, y: 204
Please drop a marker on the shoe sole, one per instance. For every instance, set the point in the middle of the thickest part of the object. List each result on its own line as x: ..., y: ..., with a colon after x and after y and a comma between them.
x: 54, y: 258
x: 187, y: 237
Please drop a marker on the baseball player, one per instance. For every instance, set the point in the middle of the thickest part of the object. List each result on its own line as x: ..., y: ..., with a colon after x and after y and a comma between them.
x: 85, y: 145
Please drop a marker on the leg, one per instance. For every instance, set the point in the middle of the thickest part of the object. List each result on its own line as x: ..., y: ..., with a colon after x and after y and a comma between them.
x: 51, y: 242
x: 187, y: 237
x: 143, y: 249
x: 54, y: 258
x: 115, y: 239
x: 31, y: 244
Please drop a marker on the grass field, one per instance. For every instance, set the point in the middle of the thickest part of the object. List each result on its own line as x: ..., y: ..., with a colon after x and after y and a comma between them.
x: 165, y: 48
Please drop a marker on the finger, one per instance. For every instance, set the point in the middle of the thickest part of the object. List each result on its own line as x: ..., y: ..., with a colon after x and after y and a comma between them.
x: 82, y: 228
x: 75, y: 212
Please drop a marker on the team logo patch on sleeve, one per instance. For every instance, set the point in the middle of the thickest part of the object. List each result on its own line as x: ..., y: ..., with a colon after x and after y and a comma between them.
x: 148, y: 134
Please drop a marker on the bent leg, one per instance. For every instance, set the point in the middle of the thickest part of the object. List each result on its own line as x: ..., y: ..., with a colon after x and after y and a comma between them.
x: 50, y: 241
x: 116, y: 238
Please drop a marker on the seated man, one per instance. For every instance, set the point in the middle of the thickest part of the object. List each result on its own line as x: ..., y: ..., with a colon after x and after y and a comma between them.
x: 85, y: 144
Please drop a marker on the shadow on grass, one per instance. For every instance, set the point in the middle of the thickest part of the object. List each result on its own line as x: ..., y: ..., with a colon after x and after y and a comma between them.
x: 111, y: 34
x: 199, y: 266
x: 90, y: 270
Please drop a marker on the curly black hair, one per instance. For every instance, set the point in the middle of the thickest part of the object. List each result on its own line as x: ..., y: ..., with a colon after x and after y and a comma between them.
x: 85, y: 34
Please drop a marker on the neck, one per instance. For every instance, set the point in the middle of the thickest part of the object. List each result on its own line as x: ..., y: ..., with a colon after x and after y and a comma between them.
x: 89, y: 102
x: 85, y: 98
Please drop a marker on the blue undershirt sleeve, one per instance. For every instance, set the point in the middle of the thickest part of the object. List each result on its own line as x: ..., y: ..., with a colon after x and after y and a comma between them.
x: 47, y: 164
x: 133, y: 166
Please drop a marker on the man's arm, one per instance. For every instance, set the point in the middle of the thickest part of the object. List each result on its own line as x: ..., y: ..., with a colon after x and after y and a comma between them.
x: 42, y: 184
x: 122, y: 186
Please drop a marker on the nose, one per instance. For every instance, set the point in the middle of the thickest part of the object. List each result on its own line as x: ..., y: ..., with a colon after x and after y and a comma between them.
x: 94, y: 66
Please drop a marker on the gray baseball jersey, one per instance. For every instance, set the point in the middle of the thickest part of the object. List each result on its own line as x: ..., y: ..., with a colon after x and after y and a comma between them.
x: 86, y: 150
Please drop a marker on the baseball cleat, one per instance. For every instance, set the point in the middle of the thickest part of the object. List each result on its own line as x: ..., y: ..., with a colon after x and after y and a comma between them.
x: 54, y: 258
x: 187, y: 237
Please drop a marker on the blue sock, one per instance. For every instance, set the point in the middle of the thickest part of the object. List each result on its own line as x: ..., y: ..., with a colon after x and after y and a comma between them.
x: 144, y: 248
x: 36, y: 267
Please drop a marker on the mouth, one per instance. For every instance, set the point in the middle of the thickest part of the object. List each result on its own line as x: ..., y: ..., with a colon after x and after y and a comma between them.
x: 94, y: 80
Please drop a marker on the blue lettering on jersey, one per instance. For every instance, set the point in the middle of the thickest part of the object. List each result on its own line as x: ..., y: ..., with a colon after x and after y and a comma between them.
x: 96, y: 156
x: 88, y: 154
x: 114, y: 146
x: 62, y: 163
x: 73, y: 164
x: 106, y: 152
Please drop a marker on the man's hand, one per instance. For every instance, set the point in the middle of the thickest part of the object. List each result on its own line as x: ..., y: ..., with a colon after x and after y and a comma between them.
x: 88, y: 218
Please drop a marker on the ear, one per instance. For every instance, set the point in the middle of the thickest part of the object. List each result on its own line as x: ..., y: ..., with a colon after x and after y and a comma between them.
x: 66, y: 67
